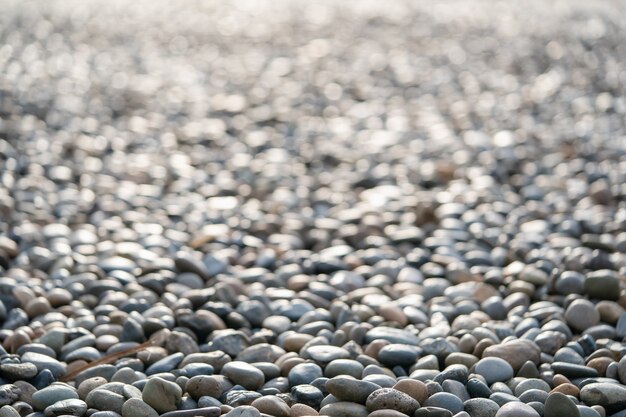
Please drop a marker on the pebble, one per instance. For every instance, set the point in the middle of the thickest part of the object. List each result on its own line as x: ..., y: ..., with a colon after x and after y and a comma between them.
x: 8, y: 411
x: 432, y: 412
x: 414, y: 388
x: 9, y: 393
x: 398, y: 354
x: 348, y: 367
x: 195, y: 412
x: 246, y: 411
x: 581, y: 315
x: 105, y: 400
x: 446, y: 401
x: 389, y: 398
x: 516, y: 409
x: 494, y: 370
x: 392, y: 335
x: 50, y: 395
x: 134, y: 407
x: 481, y: 407
x: 272, y: 405
x: 44, y: 362
x: 212, y: 386
x: 610, y: 396
x: 344, y: 409
x: 304, y: 373
x: 161, y: 395
x: 73, y: 407
x: 244, y: 374
x: 351, y: 390
x: 515, y: 352
x: 18, y: 371
x: 602, y: 284
x: 559, y: 405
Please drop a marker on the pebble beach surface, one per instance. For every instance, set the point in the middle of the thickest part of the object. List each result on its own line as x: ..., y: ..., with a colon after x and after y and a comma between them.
x: 291, y: 209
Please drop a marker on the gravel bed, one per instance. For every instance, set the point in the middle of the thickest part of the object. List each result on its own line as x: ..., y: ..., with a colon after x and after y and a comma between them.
x: 273, y: 208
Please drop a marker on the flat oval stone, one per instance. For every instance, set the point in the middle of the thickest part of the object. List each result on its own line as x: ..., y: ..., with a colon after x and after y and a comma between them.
x: 244, y: 411
x: 445, y: 400
x: 105, y: 371
x: 166, y: 364
x: 477, y: 388
x: 573, y: 371
x: 105, y: 400
x: 73, y: 407
x: 398, y: 354
x: 581, y: 314
x: 50, y: 395
x: 414, y: 388
x: 45, y: 362
x: 351, y: 390
x: 502, y: 398
x: 515, y: 352
x: 304, y: 373
x: 610, y: 396
x: 135, y: 407
x: 389, y: 398
x: 481, y: 407
x: 307, y: 395
x: 244, y: 374
x: 212, y: 386
x: 392, y: 335
x: 386, y: 413
x: 531, y: 383
x: 106, y: 414
x: 8, y: 411
x: 516, y: 409
x: 432, y: 412
x: 324, y: 354
x: 272, y: 405
x: 533, y: 395
x: 344, y: 367
x: 344, y: 409
x: 18, y: 371
x: 195, y: 412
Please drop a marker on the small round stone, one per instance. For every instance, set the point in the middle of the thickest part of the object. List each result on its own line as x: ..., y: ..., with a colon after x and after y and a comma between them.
x: 105, y: 400
x: 135, y: 407
x: 414, y: 388
x: 8, y: 411
x: 50, y: 395
x: 244, y: 374
x: 344, y: 409
x: 559, y: 405
x: 272, y: 405
x: 161, y: 395
x: 516, y: 409
x: 74, y: 407
x: 581, y: 315
x: 389, y: 398
x: 494, y: 370
x: 445, y: 400
x: 481, y: 407
x: 351, y: 390
x: 243, y: 411
x: 344, y: 367
x: 304, y: 373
